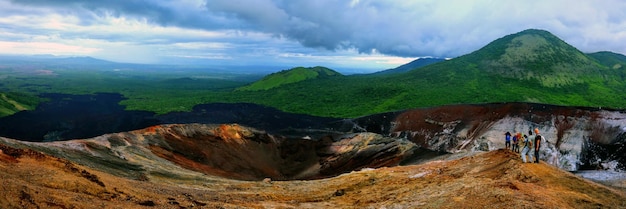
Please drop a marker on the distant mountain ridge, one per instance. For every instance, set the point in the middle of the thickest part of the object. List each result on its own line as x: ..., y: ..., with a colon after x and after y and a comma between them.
x: 293, y: 75
x: 421, y: 62
x: 52, y: 59
x: 612, y: 60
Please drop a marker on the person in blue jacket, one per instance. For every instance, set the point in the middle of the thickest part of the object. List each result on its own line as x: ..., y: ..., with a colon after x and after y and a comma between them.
x: 507, y: 138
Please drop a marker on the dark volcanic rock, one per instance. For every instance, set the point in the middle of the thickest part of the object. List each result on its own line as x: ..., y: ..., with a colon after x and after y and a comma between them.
x: 67, y: 117
x: 74, y: 117
x: 252, y: 115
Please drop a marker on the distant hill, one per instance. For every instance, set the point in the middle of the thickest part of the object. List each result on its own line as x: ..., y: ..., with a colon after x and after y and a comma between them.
x: 293, y: 75
x: 612, y: 60
x: 83, y: 61
x: 421, y: 62
x: 51, y: 59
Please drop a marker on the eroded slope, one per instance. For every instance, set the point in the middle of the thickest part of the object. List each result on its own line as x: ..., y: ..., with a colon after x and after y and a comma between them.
x: 228, y: 150
x: 494, y: 179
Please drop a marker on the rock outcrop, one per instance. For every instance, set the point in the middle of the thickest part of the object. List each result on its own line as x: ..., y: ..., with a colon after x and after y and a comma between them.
x: 575, y: 138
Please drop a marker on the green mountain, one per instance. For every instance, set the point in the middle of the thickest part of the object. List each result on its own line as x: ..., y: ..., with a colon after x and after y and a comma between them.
x: 418, y: 63
x: 293, y: 75
x: 534, y: 55
x: 529, y: 66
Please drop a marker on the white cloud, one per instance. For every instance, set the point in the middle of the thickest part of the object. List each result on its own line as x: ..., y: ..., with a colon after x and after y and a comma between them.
x: 44, y: 48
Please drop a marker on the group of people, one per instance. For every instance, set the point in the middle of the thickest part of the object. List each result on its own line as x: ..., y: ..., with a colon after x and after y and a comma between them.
x: 529, y: 144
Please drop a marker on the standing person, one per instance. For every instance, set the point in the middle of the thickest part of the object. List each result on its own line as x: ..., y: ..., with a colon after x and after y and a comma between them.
x: 519, y: 140
x: 537, y: 144
x: 527, y: 150
x: 507, y: 138
x: 515, y: 139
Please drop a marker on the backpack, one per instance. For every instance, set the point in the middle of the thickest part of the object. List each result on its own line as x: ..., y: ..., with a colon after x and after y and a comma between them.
x: 528, y: 143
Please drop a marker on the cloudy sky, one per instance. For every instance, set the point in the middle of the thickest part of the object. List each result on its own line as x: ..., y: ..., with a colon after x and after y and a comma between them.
x: 363, y: 34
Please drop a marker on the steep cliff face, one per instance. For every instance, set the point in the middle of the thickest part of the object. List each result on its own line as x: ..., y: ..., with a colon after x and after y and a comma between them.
x: 574, y: 138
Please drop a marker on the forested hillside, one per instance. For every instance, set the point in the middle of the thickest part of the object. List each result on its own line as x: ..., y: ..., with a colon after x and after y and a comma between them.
x: 529, y: 66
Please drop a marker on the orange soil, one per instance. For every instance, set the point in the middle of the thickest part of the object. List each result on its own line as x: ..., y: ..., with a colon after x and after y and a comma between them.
x: 494, y: 179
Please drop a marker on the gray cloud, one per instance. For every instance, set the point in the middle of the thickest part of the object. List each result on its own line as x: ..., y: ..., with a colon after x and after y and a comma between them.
x: 422, y: 28
x: 399, y: 28
x: 166, y: 13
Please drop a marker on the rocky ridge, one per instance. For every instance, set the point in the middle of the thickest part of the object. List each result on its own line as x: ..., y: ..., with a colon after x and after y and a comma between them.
x: 575, y: 138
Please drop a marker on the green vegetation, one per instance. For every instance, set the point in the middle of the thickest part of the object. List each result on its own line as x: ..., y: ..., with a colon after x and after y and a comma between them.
x: 284, y: 77
x: 610, y: 59
x: 616, y: 64
x: 530, y: 66
x: 152, y: 91
x: 11, y: 103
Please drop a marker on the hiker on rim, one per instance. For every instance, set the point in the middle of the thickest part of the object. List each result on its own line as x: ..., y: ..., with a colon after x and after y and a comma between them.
x: 528, y: 144
x: 516, y: 139
x: 507, y: 138
x: 520, y: 138
x: 537, y: 144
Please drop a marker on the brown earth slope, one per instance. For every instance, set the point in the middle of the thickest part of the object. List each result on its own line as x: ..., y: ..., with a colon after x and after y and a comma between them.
x: 228, y: 150
x: 495, y: 179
